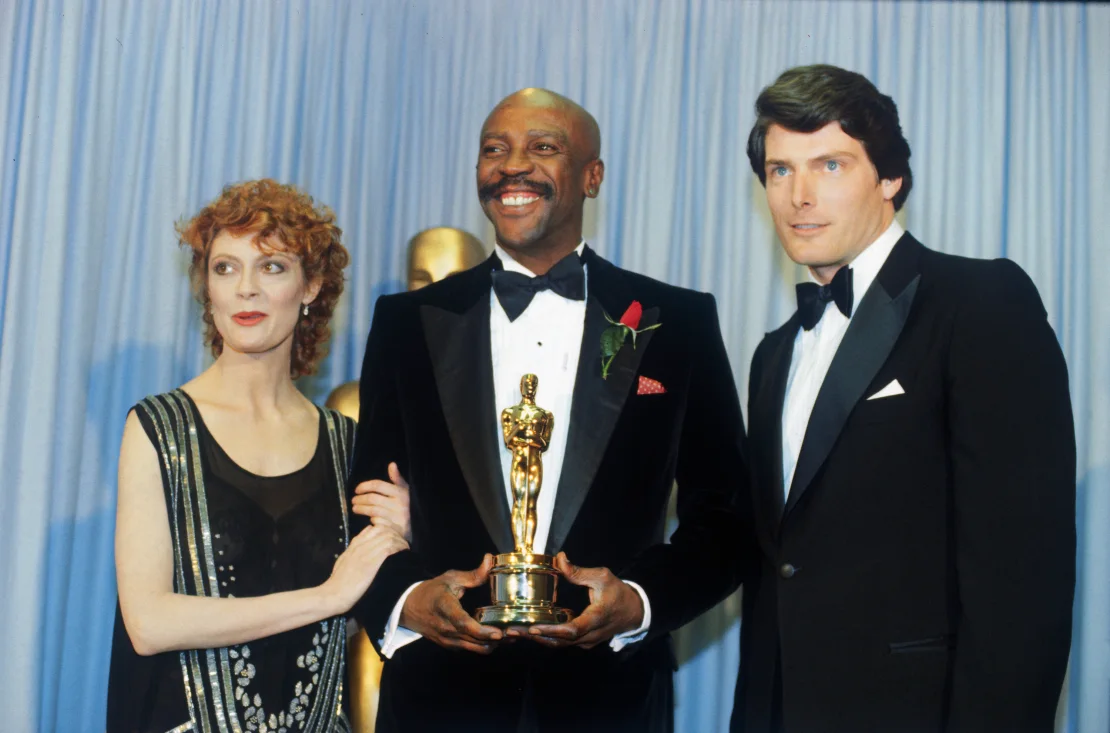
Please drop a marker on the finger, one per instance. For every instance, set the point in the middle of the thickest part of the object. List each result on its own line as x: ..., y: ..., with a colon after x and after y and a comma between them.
x: 396, y: 477
x: 366, y: 487
x: 364, y: 511
x: 564, y: 632
x: 380, y: 501
x: 596, y: 636
x: 377, y: 486
x: 587, y: 641
x: 373, y: 504
x: 460, y: 624
x: 394, y: 514
x: 575, y: 574
x: 572, y: 630
x: 469, y: 646
x: 361, y: 508
x: 476, y: 577
x: 467, y: 627
x: 549, y: 642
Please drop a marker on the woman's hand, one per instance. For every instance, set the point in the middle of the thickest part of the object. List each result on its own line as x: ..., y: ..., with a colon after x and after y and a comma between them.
x: 356, y: 567
x: 385, y: 502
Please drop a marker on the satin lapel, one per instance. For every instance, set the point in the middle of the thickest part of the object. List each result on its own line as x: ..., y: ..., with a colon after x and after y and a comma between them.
x: 597, y: 402
x: 766, y: 426
x: 459, y: 345
x: 874, y: 329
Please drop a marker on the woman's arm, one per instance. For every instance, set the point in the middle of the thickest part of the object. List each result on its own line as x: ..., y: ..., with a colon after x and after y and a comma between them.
x: 158, y: 620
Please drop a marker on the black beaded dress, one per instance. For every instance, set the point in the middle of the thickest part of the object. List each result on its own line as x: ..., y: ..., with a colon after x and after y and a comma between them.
x: 236, y: 534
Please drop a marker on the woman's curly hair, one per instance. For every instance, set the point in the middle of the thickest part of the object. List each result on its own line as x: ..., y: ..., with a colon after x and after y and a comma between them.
x: 275, y: 213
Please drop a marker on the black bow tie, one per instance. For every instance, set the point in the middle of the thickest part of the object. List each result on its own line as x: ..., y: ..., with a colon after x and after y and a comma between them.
x: 515, y: 290
x: 812, y: 298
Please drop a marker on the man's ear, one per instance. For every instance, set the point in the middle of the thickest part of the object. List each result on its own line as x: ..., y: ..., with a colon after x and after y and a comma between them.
x: 595, y: 174
x: 891, y: 187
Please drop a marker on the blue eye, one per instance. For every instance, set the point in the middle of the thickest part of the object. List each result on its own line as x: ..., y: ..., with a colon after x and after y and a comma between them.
x: 832, y: 165
x: 779, y: 170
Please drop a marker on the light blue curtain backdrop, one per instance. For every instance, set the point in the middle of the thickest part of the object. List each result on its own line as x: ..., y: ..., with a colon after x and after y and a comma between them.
x: 117, y: 118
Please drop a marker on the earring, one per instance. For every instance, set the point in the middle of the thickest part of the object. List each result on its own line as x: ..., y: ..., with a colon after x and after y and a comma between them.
x: 305, y: 309
x: 592, y: 192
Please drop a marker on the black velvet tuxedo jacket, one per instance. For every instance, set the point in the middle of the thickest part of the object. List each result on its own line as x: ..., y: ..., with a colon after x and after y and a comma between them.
x: 920, y: 575
x: 427, y: 402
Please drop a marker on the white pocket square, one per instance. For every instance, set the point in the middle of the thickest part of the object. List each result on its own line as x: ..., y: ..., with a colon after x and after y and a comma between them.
x: 891, y: 390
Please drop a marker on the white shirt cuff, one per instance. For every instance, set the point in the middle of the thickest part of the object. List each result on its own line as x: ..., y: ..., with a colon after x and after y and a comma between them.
x: 397, y: 636
x: 620, y: 641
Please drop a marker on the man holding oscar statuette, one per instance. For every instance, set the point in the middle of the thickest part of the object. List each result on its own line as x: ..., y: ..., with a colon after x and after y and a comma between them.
x: 539, y: 408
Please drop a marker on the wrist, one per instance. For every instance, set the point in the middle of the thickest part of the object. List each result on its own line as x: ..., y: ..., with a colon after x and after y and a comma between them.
x: 327, y: 602
x: 635, y: 605
x: 405, y: 618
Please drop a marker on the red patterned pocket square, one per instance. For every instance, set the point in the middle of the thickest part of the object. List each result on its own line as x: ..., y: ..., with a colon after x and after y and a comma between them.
x: 650, y: 386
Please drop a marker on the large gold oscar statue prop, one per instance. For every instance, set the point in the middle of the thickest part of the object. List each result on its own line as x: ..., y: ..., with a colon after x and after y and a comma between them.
x: 433, y: 254
x: 522, y: 582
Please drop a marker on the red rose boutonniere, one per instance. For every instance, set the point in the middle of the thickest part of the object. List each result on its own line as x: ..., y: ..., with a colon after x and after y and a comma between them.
x: 613, y: 337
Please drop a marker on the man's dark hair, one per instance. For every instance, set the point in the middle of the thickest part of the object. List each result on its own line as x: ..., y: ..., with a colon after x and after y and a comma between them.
x: 806, y: 98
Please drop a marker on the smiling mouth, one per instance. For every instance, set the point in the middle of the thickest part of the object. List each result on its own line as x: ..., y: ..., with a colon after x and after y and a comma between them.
x: 807, y: 228
x: 513, y: 198
x: 515, y: 191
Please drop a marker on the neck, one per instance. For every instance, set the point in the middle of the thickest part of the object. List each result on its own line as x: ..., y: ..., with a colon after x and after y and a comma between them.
x: 539, y: 257
x: 825, y: 273
x: 255, y: 383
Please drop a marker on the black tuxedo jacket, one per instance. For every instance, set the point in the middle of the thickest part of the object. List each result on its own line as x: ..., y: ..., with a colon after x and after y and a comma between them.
x: 427, y: 403
x: 920, y: 576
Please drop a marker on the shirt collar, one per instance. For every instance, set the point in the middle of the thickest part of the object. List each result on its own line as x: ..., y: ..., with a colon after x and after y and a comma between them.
x: 511, y: 265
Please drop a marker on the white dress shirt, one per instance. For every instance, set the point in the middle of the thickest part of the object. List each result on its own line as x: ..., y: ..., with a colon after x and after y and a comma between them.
x: 814, y: 351
x: 544, y: 340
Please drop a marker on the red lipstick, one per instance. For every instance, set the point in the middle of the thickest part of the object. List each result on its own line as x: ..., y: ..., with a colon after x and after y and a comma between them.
x: 248, y: 318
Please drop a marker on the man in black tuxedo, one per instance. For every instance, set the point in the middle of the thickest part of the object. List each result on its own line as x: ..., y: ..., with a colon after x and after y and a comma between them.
x: 912, y: 451
x: 442, y: 362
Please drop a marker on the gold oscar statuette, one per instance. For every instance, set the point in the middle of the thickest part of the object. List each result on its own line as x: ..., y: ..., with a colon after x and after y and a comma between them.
x: 522, y: 582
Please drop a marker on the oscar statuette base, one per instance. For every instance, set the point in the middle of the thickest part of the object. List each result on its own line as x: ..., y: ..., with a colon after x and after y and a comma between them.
x: 523, y: 587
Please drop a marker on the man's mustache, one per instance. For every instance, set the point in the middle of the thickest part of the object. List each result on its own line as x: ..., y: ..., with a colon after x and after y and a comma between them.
x: 492, y: 191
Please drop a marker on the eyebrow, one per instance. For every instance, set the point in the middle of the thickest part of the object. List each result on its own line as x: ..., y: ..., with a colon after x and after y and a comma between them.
x: 277, y: 253
x: 819, y: 159
x: 833, y: 155
x: 558, y: 135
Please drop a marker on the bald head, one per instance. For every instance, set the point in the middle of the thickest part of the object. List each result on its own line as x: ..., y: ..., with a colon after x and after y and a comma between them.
x: 580, y: 121
x: 538, y: 162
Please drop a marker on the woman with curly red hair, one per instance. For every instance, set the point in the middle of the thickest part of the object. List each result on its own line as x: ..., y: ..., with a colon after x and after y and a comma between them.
x: 233, y: 557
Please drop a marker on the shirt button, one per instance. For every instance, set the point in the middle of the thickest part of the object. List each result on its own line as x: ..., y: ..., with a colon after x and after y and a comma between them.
x: 273, y: 563
x: 275, y: 537
x: 786, y: 570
